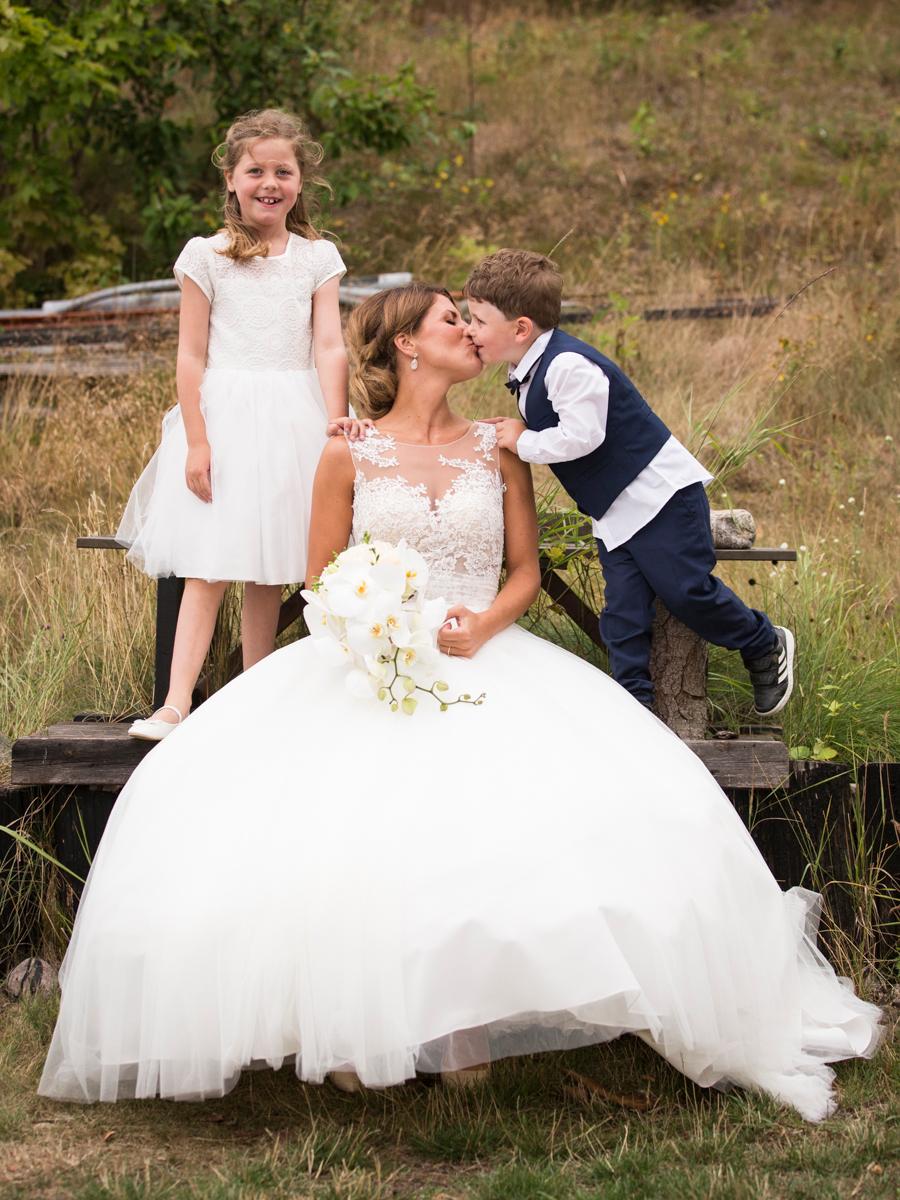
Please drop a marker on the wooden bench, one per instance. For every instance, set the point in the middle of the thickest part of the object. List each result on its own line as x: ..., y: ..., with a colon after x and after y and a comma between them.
x: 101, y: 754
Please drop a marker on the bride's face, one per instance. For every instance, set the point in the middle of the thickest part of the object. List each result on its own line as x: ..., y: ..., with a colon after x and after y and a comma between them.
x: 442, y: 342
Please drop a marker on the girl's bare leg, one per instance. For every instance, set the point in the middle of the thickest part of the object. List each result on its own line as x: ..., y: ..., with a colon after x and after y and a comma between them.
x: 259, y: 621
x: 193, y: 633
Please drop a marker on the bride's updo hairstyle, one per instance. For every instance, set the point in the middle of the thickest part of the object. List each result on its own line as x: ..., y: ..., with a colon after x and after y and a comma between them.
x: 371, y: 330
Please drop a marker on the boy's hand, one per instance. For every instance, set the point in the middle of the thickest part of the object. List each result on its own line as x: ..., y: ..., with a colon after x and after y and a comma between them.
x: 353, y: 427
x: 509, y: 430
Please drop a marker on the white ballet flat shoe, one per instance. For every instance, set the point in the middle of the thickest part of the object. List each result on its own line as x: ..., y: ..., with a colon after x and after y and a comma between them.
x: 345, y: 1081
x: 154, y: 731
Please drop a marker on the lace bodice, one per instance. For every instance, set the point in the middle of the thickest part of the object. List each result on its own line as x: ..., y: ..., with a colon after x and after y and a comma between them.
x: 446, y: 501
x: 260, y: 311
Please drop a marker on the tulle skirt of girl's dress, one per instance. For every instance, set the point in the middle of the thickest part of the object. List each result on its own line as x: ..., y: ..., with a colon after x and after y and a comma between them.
x: 266, y: 431
x: 299, y: 875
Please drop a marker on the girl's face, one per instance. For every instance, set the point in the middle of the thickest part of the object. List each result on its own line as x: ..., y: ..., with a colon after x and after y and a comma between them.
x: 442, y: 342
x: 266, y: 182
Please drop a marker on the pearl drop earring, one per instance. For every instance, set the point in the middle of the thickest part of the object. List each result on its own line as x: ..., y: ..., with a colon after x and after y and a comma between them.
x: 414, y: 365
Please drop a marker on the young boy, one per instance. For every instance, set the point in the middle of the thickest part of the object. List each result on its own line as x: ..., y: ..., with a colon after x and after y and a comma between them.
x: 644, y: 492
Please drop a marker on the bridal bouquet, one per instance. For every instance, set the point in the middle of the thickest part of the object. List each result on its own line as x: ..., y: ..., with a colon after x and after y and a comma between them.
x: 368, y: 610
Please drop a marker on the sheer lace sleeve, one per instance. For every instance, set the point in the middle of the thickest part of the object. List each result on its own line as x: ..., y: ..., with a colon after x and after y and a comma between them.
x: 328, y: 263
x: 195, y: 262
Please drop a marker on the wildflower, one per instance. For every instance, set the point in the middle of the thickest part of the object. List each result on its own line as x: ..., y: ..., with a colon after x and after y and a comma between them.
x: 842, y: 507
x: 465, y: 189
x: 661, y: 218
x: 781, y: 376
x: 888, y: 438
x: 698, y: 177
x: 489, y: 183
x: 438, y: 184
x: 673, y: 195
x: 459, y: 160
x: 783, y: 546
x: 851, y: 499
x: 824, y: 574
x: 862, y: 512
x: 782, y: 483
x: 445, y: 174
x: 802, y: 549
x: 870, y: 337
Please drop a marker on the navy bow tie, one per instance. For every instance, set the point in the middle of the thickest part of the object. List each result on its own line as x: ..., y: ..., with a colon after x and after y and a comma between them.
x: 516, y: 385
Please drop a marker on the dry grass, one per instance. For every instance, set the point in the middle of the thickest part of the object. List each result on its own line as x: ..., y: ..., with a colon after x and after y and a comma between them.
x: 746, y: 149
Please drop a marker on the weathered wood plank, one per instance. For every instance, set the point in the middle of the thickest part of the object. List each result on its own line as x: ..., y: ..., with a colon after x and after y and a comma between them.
x: 757, y: 554
x: 758, y: 763
x: 105, y: 756
x: 100, y: 543
x: 77, y: 752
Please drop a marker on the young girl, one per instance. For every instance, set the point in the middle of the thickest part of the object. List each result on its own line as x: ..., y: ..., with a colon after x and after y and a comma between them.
x: 262, y: 381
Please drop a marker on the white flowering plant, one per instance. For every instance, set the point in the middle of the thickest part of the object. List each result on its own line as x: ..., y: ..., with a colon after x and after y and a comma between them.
x: 368, y: 611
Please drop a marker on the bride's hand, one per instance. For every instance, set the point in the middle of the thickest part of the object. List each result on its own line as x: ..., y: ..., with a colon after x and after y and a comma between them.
x: 467, y: 636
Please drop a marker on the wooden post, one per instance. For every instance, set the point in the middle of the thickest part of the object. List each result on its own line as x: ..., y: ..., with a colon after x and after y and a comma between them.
x: 168, y: 602
x: 678, y: 658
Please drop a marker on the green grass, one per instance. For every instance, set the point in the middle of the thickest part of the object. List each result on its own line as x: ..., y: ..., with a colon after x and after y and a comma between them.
x: 521, y: 1135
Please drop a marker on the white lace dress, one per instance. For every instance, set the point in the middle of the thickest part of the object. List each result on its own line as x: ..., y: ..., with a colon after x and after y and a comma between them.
x: 299, y: 874
x: 265, y: 421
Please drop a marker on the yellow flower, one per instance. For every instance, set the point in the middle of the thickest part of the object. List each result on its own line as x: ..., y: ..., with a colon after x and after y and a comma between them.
x: 661, y: 218
x: 445, y: 175
x: 438, y: 184
x: 489, y: 183
x: 673, y: 195
x: 459, y: 160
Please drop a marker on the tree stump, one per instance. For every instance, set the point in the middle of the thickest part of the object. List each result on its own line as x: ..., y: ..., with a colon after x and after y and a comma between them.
x: 678, y: 658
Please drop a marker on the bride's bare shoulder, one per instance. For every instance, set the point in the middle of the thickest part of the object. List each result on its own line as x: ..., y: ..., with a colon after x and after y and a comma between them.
x: 336, y: 461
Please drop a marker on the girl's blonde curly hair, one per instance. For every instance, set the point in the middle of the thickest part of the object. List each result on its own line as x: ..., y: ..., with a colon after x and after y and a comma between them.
x: 370, y: 335
x: 243, y: 241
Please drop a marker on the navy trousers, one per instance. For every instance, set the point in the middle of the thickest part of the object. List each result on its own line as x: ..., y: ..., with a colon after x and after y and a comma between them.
x: 672, y: 557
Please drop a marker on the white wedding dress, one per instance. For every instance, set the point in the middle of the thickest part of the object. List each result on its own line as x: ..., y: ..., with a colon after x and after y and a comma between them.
x: 300, y: 874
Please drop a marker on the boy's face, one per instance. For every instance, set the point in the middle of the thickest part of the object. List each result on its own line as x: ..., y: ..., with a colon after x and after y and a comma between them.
x: 498, y: 338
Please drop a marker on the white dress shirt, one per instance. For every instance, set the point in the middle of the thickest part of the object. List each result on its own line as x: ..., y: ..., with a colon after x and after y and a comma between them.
x: 578, y: 391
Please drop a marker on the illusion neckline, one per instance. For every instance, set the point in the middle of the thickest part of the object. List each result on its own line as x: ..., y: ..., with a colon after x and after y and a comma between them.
x: 428, y: 445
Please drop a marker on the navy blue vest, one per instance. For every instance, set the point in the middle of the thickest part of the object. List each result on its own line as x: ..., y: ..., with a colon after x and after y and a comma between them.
x: 634, y: 433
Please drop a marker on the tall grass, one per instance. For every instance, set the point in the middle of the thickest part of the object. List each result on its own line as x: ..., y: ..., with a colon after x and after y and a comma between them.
x: 680, y: 155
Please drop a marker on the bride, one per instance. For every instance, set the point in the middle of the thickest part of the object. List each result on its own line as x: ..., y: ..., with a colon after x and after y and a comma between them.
x: 298, y: 874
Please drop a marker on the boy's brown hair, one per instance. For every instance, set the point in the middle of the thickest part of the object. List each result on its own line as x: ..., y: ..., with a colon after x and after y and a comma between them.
x: 519, y: 283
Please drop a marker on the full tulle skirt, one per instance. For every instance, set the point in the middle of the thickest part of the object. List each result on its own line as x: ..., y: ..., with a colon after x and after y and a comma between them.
x: 299, y: 874
x: 266, y: 431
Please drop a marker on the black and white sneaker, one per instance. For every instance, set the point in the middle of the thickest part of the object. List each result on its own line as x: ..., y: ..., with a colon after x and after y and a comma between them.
x: 772, y: 675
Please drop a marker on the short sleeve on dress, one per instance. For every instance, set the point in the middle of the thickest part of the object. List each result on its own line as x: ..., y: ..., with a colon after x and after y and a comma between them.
x: 328, y: 263
x: 195, y: 262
